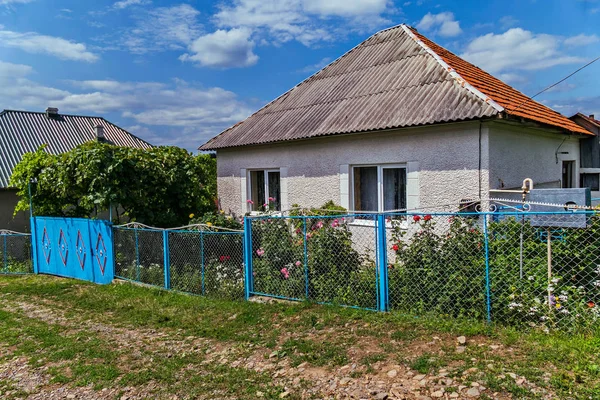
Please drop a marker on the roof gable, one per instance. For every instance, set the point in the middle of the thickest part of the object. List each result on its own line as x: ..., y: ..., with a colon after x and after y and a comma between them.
x: 396, y: 78
x: 24, y: 131
x: 510, y: 99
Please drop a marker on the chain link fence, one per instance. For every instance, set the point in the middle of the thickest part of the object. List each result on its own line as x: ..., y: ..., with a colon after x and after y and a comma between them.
x: 436, y: 264
x: 203, y: 262
x: 545, y: 270
x: 519, y: 268
x: 325, y: 259
x: 525, y: 269
x: 15, y: 253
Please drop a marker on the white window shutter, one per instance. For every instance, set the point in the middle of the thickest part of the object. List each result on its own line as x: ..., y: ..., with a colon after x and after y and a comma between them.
x: 345, y: 186
x: 412, y: 185
x: 244, y: 190
x: 283, y: 188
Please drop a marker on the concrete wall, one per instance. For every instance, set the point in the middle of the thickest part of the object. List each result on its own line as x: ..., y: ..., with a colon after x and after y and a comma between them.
x: 8, y: 201
x: 442, y: 166
x: 518, y: 153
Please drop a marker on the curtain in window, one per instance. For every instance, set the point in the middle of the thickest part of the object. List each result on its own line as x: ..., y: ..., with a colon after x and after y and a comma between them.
x: 590, y: 181
x: 275, y: 190
x: 257, y: 191
x: 365, y: 188
x: 394, y: 189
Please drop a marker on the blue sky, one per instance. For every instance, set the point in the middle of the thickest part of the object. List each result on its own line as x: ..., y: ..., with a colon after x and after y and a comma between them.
x: 179, y: 72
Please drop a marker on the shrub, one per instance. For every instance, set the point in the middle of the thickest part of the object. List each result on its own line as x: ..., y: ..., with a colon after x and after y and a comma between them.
x: 441, y: 269
x: 334, y: 267
x: 219, y: 219
x: 437, y: 271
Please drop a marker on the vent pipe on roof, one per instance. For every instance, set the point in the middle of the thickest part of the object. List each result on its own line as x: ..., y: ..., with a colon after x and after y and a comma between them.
x: 99, y: 130
x: 51, y: 112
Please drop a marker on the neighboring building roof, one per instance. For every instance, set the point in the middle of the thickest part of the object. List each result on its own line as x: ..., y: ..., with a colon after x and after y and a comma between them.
x: 24, y: 131
x: 589, y: 119
x: 396, y: 78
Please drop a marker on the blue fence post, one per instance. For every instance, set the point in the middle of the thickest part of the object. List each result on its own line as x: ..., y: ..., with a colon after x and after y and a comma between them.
x: 5, y: 254
x: 248, y: 284
x: 167, y: 261
x: 202, y: 260
x: 34, y: 256
x: 137, y: 255
x: 487, y: 269
x: 382, y: 263
x: 306, y: 277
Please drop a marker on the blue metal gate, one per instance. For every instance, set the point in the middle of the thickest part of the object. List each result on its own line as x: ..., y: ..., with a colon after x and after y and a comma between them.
x: 73, y: 247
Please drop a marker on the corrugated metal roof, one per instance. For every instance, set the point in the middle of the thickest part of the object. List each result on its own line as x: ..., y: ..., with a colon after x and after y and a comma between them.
x: 24, y: 131
x: 391, y: 80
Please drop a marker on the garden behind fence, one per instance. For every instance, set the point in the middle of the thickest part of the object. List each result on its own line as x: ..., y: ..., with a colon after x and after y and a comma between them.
x: 15, y: 253
x: 513, y: 268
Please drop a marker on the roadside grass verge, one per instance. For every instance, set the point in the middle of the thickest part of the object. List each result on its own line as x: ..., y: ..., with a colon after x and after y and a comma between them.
x: 322, y: 336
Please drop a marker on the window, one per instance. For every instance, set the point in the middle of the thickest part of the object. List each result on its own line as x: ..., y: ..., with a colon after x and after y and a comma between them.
x: 379, y: 188
x: 264, y: 188
x: 591, y: 181
x: 568, y: 173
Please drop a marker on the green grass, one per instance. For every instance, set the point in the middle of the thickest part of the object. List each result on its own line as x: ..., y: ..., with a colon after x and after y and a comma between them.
x: 321, y: 336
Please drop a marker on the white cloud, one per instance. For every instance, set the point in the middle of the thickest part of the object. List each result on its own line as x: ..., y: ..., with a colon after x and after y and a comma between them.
x: 225, y: 49
x: 307, y: 21
x: 345, y: 8
x: 573, y: 105
x: 512, y: 78
x: 508, y: 21
x: 7, y: 2
x: 9, y: 70
x: 442, y: 24
x: 126, y: 3
x: 186, y: 114
x: 32, y: 42
x: 516, y: 49
x: 159, y: 29
x: 310, y: 69
x: 581, y: 40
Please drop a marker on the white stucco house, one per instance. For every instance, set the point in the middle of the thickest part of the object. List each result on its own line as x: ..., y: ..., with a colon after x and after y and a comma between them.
x: 397, y: 122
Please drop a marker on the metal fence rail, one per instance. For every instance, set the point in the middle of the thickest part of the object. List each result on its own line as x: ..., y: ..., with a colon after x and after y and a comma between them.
x: 200, y: 262
x: 520, y: 268
x: 15, y: 253
x: 324, y: 259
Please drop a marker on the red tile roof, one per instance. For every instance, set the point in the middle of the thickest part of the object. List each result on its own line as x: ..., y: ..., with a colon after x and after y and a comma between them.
x: 514, y: 102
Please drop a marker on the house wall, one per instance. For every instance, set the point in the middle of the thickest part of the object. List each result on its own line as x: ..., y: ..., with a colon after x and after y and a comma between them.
x: 442, y: 166
x: 8, y: 201
x: 517, y: 153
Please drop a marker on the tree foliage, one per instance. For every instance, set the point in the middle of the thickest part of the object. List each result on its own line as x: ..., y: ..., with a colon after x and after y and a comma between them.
x: 161, y: 186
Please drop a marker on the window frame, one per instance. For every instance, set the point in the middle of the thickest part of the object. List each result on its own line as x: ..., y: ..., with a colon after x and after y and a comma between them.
x: 380, y: 199
x: 581, y: 183
x: 266, y: 187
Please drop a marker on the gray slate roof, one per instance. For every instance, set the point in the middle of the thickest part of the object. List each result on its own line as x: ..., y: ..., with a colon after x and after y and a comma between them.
x: 387, y: 81
x: 24, y: 131
x: 396, y: 78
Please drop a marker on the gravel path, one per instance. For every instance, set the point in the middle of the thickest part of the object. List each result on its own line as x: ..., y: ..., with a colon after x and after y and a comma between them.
x: 379, y: 380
